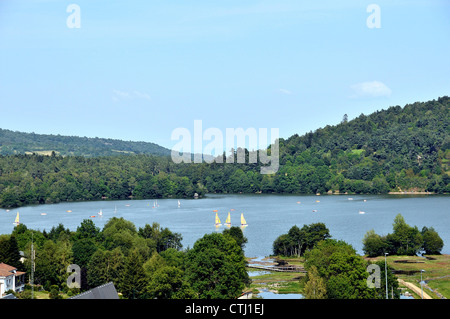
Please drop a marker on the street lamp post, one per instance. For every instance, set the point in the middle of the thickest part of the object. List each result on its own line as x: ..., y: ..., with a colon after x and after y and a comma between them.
x: 385, y: 273
x: 421, y: 282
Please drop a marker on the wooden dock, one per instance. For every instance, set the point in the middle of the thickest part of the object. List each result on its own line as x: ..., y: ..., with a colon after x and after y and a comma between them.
x: 287, y: 268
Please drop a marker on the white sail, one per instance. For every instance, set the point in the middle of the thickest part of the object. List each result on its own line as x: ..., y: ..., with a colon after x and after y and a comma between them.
x: 16, y: 221
x: 243, y: 221
x: 228, y: 220
x: 217, y: 221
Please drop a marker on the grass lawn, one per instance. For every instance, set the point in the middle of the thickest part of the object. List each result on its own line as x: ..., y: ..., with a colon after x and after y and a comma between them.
x: 279, y: 282
x: 436, y: 272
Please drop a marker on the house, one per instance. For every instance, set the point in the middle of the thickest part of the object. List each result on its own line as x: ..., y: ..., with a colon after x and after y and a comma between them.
x: 11, y: 279
x: 106, y: 291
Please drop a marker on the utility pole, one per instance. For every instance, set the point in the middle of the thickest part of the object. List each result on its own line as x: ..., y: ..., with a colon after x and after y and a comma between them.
x: 32, y: 268
x: 385, y: 274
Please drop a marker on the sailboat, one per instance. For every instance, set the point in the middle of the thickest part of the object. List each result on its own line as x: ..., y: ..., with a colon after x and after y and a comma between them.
x: 100, y: 213
x: 115, y: 209
x: 228, y: 220
x: 16, y: 221
x: 217, y: 221
x: 243, y: 222
x: 179, y: 204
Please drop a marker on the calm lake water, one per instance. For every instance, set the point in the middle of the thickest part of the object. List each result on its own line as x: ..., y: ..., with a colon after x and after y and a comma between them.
x: 268, y: 216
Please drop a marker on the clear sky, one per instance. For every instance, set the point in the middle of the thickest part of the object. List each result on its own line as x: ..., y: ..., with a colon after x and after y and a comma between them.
x: 137, y: 70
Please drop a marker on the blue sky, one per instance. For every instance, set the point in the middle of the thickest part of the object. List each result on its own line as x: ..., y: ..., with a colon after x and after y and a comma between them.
x: 137, y: 70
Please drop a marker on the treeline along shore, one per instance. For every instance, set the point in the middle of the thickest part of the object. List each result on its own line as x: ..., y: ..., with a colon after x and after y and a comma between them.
x: 397, y: 150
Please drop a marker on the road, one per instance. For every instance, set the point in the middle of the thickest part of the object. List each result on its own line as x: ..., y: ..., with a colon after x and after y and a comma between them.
x: 414, y: 288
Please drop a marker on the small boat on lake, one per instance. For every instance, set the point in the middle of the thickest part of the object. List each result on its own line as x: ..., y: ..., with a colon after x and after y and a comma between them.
x: 16, y: 221
x: 243, y: 221
x: 228, y: 220
x: 217, y: 222
x: 361, y: 212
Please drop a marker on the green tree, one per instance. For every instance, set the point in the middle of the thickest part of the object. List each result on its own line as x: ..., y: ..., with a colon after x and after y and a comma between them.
x: 133, y: 281
x: 82, y: 250
x: 405, y: 240
x: 297, y: 240
x: 52, y: 261
x: 119, y: 232
x: 432, y: 242
x: 9, y: 251
x: 343, y: 271
x: 87, y: 229
x: 215, y: 267
x: 105, y: 266
x: 237, y: 234
x: 315, y: 287
x: 168, y: 283
x: 54, y: 292
x: 373, y: 244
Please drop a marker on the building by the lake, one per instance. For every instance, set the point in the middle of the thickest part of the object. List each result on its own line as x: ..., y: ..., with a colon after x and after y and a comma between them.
x: 11, y: 279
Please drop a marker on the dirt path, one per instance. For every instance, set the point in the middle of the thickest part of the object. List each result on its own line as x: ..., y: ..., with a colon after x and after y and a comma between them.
x: 414, y: 288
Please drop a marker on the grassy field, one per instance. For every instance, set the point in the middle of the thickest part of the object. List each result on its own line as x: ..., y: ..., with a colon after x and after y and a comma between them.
x: 436, y: 275
x: 278, y: 282
x: 436, y: 272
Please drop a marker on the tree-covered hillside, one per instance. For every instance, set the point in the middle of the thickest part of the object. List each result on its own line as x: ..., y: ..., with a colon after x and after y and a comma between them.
x: 12, y: 143
x: 398, y: 149
x: 394, y: 149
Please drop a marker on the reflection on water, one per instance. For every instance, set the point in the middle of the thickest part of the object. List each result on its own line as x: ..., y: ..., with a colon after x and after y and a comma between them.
x: 266, y: 294
x: 268, y: 216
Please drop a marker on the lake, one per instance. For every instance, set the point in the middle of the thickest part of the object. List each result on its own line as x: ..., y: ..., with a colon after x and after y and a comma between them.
x: 268, y: 216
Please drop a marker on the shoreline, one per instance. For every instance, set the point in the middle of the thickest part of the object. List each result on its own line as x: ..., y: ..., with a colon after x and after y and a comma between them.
x: 206, y: 194
x: 411, y: 193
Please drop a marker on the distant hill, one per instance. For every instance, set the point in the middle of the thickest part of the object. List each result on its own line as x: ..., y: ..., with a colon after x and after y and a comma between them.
x: 13, y: 142
x: 400, y: 149
x: 397, y: 149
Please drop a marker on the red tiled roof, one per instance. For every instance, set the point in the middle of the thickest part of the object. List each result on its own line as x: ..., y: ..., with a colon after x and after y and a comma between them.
x: 6, y: 267
x: 7, y: 270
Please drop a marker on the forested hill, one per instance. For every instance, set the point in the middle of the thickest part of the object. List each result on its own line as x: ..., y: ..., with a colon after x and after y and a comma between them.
x: 393, y: 150
x: 12, y: 142
x: 396, y: 149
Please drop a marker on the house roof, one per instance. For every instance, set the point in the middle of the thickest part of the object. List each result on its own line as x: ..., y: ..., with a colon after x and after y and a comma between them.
x: 6, y: 267
x: 7, y: 270
x: 106, y: 291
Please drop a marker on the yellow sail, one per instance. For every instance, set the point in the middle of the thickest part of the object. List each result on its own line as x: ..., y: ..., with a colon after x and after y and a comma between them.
x: 243, y: 222
x: 16, y: 221
x: 228, y: 221
x: 217, y: 220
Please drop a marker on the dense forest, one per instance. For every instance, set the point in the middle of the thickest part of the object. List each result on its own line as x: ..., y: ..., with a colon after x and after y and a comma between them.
x: 12, y: 143
x: 398, y: 149
x: 143, y: 263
